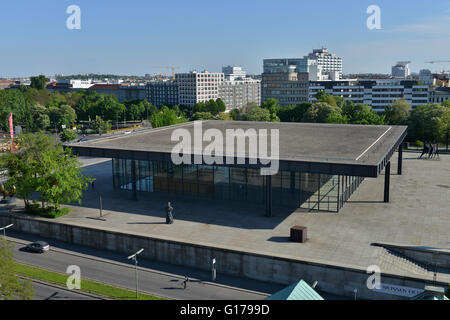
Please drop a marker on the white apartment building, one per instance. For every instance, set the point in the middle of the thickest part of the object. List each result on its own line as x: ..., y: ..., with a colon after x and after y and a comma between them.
x: 330, y: 63
x: 376, y: 93
x: 194, y: 87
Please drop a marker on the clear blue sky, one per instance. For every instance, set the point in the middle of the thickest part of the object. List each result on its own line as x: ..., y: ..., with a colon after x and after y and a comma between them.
x: 135, y: 36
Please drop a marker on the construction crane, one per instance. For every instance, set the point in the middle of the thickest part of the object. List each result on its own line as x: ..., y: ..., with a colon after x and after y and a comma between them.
x: 438, y: 61
x: 172, y: 68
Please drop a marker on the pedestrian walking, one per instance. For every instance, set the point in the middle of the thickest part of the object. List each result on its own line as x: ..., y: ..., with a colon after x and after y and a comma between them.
x: 186, y: 280
x: 425, y: 150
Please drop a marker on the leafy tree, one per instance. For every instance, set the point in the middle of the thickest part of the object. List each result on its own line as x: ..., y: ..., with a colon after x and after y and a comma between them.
x: 257, y: 114
x: 426, y: 122
x: 320, y: 112
x: 320, y: 95
x: 68, y: 135
x: 66, y: 116
x: 13, y: 101
x: 336, y: 118
x: 398, y: 112
x: 202, y: 116
x: 293, y: 113
x: 38, y: 82
x: 41, y: 165
x: 166, y: 117
x: 11, y: 286
x: 361, y: 114
x: 101, y: 126
x: 23, y: 165
x: 60, y: 177
x: 221, y: 105
x: 270, y: 104
x: 150, y: 109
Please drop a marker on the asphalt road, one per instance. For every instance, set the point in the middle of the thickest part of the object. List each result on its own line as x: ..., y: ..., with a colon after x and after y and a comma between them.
x: 154, y: 278
x: 43, y: 291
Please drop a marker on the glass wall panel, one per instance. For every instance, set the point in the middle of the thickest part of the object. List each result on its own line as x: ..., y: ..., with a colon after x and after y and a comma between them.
x: 175, y: 178
x: 160, y: 176
x: 190, y: 184
x: 238, y: 179
x: 292, y: 189
x: 222, y: 183
x: 255, y: 186
x: 206, y: 181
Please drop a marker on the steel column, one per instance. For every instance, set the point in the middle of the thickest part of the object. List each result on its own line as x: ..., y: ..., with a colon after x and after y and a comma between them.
x: 387, y: 179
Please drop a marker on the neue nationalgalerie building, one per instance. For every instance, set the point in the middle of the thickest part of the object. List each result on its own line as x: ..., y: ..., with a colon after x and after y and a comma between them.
x: 320, y: 165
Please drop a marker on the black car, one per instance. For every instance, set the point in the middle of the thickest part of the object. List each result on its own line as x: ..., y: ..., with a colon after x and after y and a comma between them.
x: 38, y: 246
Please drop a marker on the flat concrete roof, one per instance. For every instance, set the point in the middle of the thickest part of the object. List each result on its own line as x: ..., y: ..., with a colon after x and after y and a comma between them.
x: 359, y: 150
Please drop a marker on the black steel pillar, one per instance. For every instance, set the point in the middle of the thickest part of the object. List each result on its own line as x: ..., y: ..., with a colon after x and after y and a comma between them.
x: 387, y: 180
x: 133, y: 179
x: 268, y: 196
x: 400, y: 159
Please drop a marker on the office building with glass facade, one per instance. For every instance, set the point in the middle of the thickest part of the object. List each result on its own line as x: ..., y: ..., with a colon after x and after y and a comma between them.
x: 320, y: 165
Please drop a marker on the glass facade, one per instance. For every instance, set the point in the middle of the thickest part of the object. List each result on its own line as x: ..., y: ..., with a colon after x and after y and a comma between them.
x: 310, y: 191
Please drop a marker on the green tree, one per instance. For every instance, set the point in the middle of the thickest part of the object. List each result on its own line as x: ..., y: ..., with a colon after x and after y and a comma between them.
x: 398, y: 112
x: 202, y: 116
x: 68, y: 135
x: 426, y: 122
x: 60, y: 177
x: 38, y: 82
x: 150, y: 109
x: 101, y: 126
x: 321, y: 111
x: 44, y: 166
x: 23, y: 165
x: 257, y: 114
x: 221, y: 105
x: 166, y: 117
x: 293, y: 113
x: 11, y: 286
x: 361, y: 114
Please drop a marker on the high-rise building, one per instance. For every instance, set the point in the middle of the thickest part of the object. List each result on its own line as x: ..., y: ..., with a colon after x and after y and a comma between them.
x: 161, y: 93
x: 401, y: 69
x: 237, y: 93
x: 233, y: 72
x: 194, y: 87
x: 287, y: 87
x: 321, y: 64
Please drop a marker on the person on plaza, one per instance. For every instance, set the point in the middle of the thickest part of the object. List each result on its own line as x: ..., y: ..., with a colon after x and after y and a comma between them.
x: 425, y: 150
x: 186, y: 280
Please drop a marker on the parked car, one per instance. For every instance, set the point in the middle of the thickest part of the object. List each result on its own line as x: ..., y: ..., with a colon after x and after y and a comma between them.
x: 38, y: 246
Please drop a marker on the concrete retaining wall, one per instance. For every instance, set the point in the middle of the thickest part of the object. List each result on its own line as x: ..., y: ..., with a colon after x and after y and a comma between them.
x: 332, y: 279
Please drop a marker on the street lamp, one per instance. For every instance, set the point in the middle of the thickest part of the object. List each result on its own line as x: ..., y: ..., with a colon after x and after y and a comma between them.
x: 134, y: 257
x: 4, y: 228
x: 213, y: 269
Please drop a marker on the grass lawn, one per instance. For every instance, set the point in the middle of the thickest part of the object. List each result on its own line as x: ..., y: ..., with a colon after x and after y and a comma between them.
x: 86, y: 285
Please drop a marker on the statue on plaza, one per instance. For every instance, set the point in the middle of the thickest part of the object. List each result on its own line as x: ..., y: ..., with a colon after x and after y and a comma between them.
x: 169, y: 215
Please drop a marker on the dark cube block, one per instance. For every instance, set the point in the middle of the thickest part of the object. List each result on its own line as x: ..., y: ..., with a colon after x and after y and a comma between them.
x: 298, y: 234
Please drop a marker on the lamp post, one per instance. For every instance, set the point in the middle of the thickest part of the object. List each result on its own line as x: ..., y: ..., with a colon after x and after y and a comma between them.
x: 4, y: 228
x: 134, y: 257
x: 214, y: 269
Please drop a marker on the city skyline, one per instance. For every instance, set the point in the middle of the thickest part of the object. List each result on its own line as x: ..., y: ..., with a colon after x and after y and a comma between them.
x: 133, y: 38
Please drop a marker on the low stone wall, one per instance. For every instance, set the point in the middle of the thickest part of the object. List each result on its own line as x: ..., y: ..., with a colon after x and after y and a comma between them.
x: 332, y: 279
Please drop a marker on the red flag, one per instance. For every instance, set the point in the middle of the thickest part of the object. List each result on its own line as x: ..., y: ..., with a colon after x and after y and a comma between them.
x: 11, y: 130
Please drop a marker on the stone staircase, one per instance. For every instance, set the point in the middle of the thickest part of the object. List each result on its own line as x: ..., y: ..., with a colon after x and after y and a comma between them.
x: 394, y: 262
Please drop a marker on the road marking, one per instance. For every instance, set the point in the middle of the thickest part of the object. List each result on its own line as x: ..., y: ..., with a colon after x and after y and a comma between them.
x: 373, y: 143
